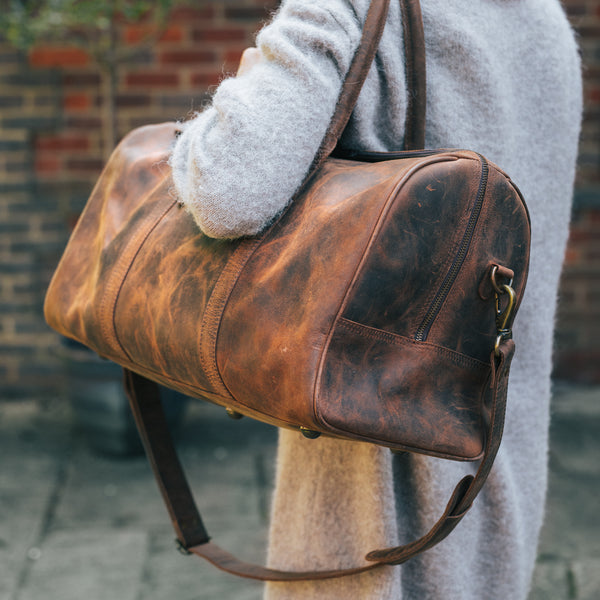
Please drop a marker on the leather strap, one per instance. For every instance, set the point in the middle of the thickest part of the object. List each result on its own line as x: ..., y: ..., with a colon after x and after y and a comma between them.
x: 192, y: 536
x: 414, y: 53
x: 355, y: 78
x: 144, y: 399
x: 414, y: 50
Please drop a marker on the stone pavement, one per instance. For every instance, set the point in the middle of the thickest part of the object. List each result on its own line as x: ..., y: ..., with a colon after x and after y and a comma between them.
x: 76, y: 524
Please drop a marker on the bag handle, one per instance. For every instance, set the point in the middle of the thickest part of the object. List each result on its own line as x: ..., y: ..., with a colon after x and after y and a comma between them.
x: 192, y: 536
x: 414, y: 51
x: 416, y: 74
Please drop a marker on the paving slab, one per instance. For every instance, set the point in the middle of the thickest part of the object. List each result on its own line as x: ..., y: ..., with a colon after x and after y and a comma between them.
x: 95, y: 564
x: 569, y: 553
x: 32, y: 466
x: 585, y: 575
x: 78, y: 524
x: 551, y: 581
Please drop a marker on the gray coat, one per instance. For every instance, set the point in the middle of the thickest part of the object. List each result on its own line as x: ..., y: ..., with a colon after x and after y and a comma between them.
x: 503, y: 79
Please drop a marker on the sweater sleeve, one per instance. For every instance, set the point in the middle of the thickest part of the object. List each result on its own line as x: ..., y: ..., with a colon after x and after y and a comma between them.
x: 237, y: 164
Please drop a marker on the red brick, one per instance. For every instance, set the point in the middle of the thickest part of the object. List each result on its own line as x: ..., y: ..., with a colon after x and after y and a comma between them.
x: 572, y: 256
x: 593, y: 216
x: 202, y: 80
x: 86, y: 123
x: 72, y: 221
x: 126, y: 101
x: 575, y: 9
x: 76, y: 101
x: 232, y: 57
x: 578, y: 365
x: 582, y: 234
x: 62, y: 143
x: 269, y: 5
x: 152, y: 79
x: 588, y: 31
x: 85, y: 164
x: 91, y: 78
x: 219, y: 35
x: 594, y: 95
x: 48, y: 165
x: 246, y: 13
x: 186, y: 57
x: 134, y: 34
x: 50, y: 56
x: 185, y: 14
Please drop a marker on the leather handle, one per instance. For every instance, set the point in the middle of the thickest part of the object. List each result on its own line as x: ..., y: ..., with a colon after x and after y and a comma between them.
x: 147, y: 409
x: 355, y: 78
x: 414, y: 51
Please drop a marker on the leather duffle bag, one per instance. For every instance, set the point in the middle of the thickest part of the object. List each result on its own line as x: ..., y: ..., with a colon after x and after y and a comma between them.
x: 377, y: 308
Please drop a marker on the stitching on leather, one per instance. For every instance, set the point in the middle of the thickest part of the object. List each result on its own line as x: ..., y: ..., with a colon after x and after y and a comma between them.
x: 205, y: 394
x: 398, y: 340
x: 400, y: 181
x: 119, y: 273
x: 211, y: 319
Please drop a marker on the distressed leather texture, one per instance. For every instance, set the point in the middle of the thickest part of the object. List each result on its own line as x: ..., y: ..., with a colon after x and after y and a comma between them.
x: 313, y: 324
x: 366, y: 312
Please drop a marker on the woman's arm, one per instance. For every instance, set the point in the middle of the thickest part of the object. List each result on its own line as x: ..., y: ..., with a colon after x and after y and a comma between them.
x: 238, y: 163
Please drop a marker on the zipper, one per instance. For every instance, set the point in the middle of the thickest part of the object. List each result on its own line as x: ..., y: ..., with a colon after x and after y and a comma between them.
x: 444, y: 290
x: 370, y: 156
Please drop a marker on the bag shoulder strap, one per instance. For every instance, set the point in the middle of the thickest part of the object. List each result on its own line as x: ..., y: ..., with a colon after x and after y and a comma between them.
x: 416, y: 75
x: 414, y: 51
x: 192, y: 536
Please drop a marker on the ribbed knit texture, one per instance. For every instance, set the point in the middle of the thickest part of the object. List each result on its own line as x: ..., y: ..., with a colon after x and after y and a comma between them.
x: 503, y: 79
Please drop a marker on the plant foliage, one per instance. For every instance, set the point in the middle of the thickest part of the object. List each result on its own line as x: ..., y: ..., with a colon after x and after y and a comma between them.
x: 25, y: 22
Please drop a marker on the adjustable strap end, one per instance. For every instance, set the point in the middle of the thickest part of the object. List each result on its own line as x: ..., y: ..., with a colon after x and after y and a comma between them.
x: 181, y: 547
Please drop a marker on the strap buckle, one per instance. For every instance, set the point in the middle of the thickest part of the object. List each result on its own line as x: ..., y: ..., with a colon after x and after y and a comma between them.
x: 181, y: 547
x: 505, y: 315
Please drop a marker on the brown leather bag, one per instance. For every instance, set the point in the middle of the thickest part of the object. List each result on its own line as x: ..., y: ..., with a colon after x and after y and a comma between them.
x: 377, y: 308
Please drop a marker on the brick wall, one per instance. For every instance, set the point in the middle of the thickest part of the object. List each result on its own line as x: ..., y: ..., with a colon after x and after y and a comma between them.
x: 577, y: 353
x: 52, y: 150
x: 30, y: 227
x: 52, y: 147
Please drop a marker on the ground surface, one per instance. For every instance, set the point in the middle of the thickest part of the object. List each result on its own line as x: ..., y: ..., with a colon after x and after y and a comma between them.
x: 76, y: 524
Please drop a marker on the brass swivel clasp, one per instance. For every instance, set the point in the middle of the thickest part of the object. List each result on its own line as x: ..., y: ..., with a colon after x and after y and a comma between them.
x: 506, y: 304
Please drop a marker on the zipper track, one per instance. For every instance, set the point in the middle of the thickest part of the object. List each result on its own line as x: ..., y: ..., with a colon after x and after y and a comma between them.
x: 444, y: 290
x: 370, y: 156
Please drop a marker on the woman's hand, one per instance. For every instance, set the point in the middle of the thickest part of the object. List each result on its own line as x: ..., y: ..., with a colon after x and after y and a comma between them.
x: 250, y: 57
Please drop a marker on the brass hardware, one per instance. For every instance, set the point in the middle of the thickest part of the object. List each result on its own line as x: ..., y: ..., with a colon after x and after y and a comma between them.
x: 496, y: 286
x: 504, y: 316
x: 398, y: 452
x: 181, y: 548
x: 309, y: 433
x: 233, y: 414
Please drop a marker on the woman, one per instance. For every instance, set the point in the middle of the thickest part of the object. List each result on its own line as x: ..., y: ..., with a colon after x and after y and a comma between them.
x: 503, y: 79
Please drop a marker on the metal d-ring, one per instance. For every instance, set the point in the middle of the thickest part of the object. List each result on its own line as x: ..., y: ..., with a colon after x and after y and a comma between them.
x: 504, y: 316
x: 497, y: 288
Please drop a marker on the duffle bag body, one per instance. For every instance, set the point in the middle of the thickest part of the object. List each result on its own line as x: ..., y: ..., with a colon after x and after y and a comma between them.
x: 359, y: 314
x: 378, y: 307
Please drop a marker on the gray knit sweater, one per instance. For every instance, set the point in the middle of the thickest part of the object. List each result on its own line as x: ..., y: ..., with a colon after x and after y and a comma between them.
x: 503, y: 79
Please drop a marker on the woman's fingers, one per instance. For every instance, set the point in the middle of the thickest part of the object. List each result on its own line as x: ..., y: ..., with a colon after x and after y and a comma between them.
x: 250, y: 57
